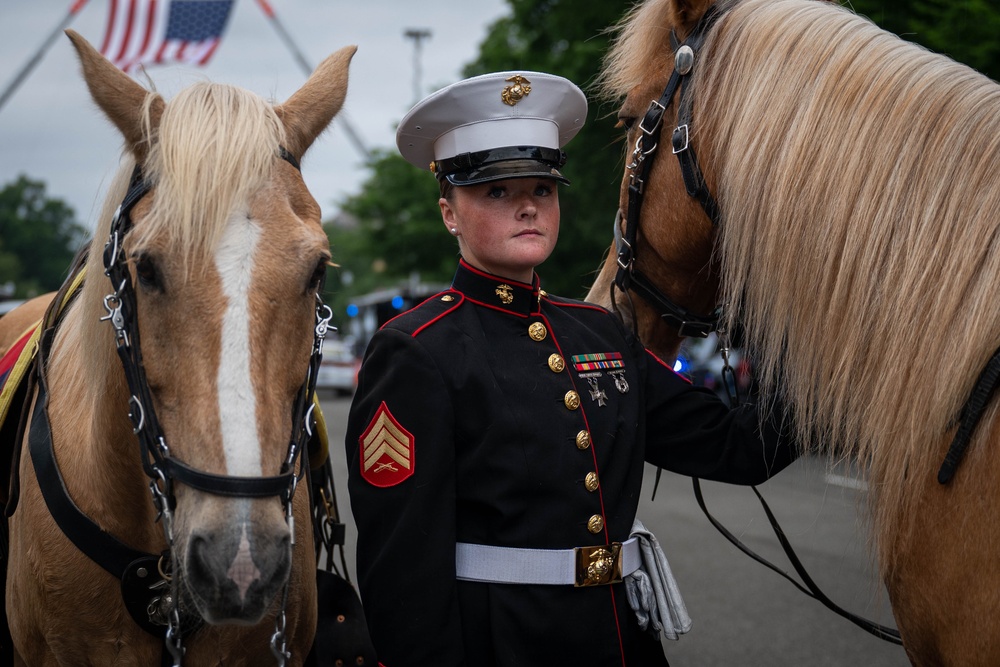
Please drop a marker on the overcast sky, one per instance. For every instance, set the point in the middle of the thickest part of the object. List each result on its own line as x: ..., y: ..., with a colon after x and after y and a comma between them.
x: 50, y: 129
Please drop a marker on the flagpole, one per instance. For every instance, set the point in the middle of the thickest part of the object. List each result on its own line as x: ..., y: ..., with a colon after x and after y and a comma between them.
x: 353, y: 136
x: 35, y: 59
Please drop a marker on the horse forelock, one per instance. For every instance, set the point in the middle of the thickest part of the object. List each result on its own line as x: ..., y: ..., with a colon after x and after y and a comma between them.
x: 856, y: 175
x: 214, y: 147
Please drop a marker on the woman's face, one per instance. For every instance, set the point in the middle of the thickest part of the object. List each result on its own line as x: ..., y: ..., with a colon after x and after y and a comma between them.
x: 506, y: 227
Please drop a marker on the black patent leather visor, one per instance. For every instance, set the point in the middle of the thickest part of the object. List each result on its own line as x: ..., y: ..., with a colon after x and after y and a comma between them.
x: 500, y: 163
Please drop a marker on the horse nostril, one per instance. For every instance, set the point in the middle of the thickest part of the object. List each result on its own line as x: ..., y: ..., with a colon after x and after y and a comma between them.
x: 200, y: 565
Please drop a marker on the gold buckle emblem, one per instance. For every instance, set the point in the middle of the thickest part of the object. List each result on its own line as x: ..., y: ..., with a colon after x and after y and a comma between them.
x: 517, y: 90
x: 598, y: 565
x: 506, y: 294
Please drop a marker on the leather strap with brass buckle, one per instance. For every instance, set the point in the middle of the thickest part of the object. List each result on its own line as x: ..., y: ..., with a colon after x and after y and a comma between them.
x: 598, y: 565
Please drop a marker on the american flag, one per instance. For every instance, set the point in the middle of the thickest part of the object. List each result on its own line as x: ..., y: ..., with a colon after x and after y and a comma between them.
x: 161, y: 31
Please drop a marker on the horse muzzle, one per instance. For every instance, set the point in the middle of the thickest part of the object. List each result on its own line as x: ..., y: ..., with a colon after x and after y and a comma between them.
x: 232, y: 573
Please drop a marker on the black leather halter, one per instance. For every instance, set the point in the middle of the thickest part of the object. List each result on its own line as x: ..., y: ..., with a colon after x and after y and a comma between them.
x: 628, y: 275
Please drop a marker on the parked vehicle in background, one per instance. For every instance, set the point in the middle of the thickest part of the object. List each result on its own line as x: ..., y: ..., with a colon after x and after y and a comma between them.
x: 338, y: 373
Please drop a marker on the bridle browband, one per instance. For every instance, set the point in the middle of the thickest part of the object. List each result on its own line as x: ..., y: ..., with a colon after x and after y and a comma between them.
x: 628, y: 275
x: 156, y: 607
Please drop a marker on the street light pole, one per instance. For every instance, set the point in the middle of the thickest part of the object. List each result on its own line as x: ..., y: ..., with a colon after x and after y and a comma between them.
x: 417, y: 35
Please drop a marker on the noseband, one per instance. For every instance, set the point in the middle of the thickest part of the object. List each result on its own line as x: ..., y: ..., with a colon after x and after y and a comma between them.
x: 646, y: 144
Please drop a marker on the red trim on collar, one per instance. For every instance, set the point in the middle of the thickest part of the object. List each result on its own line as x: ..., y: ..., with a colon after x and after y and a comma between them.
x: 492, y: 276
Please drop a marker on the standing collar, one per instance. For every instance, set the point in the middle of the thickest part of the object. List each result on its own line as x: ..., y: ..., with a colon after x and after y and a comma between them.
x: 496, y: 292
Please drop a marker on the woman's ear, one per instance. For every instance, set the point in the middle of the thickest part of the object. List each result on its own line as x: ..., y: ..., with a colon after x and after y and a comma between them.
x: 448, y: 215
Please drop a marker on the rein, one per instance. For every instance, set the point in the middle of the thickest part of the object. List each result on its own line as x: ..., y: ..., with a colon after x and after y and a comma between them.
x: 153, y: 602
x: 688, y: 324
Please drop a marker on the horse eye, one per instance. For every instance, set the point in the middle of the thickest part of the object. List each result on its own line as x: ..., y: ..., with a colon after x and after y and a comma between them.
x: 318, y: 274
x: 626, y: 121
x: 145, y: 271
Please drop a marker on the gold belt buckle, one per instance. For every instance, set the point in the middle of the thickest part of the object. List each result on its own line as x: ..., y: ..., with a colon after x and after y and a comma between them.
x: 598, y: 565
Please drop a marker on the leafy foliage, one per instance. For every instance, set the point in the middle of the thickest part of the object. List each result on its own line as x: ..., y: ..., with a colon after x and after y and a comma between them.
x: 38, y: 238
x: 965, y: 30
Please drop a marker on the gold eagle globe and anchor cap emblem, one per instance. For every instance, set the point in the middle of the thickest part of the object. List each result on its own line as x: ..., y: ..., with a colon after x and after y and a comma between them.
x: 518, y: 89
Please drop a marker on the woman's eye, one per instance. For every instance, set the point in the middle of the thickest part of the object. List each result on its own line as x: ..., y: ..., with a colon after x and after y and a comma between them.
x: 495, y: 192
x: 543, y: 191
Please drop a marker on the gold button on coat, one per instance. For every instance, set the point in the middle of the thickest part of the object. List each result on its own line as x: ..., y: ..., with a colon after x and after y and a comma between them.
x: 595, y: 524
x: 537, y: 331
x: 591, y: 482
x: 583, y: 439
x: 556, y: 363
x: 572, y: 400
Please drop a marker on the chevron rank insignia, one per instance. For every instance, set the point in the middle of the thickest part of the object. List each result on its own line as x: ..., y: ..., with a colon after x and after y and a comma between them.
x: 386, y: 450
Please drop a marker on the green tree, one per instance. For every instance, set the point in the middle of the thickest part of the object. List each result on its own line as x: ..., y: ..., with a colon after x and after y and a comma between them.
x: 38, y: 238
x: 965, y: 30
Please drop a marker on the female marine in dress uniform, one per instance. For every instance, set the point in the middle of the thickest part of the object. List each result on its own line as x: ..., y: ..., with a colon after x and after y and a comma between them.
x: 497, y: 438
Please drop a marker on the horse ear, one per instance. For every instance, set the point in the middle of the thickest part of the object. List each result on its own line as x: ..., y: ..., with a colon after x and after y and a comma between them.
x: 121, y: 98
x: 311, y: 108
x: 686, y: 14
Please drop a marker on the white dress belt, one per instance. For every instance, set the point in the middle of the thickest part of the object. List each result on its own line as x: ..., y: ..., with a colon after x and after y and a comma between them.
x: 508, y: 565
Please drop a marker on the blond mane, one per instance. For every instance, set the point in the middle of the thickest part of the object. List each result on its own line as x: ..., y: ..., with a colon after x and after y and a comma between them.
x: 215, y: 146
x: 856, y: 174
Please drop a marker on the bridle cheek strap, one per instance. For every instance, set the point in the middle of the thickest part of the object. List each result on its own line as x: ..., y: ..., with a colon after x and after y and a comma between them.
x: 628, y: 275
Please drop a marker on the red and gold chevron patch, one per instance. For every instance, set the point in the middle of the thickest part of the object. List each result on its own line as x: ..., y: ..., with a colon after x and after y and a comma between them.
x: 386, y: 450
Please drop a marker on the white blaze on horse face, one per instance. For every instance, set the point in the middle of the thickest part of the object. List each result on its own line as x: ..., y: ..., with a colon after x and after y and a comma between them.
x: 234, y: 260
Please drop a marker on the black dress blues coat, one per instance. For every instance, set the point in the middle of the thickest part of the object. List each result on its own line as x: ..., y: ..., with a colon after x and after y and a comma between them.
x: 496, y: 414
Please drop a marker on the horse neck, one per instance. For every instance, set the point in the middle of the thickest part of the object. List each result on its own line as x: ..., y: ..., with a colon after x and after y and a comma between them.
x: 91, y: 433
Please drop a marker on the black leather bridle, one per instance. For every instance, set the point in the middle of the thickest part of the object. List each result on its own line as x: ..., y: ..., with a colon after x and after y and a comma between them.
x: 159, y: 464
x: 628, y: 275
x: 145, y: 594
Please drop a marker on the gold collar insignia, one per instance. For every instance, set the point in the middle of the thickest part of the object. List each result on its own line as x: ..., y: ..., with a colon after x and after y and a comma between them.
x: 506, y: 294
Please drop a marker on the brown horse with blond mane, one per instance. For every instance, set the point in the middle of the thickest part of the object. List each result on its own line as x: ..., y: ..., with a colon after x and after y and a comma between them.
x: 218, y: 256
x: 854, y: 178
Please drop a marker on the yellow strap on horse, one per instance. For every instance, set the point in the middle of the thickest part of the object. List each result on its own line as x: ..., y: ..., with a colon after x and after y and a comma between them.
x: 319, y: 445
x: 19, y: 370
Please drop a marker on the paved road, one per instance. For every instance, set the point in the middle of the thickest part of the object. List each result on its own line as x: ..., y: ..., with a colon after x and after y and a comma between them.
x: 743, y: 613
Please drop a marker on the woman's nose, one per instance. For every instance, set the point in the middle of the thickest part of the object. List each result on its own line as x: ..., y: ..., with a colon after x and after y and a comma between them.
x: 527, y: 208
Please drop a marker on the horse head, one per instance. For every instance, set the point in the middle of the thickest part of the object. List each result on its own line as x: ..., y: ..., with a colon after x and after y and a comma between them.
x: 226, y: 257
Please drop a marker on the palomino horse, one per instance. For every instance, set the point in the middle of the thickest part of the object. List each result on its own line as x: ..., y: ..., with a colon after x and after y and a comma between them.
x: 846, y: 212
x: 217, y: 257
